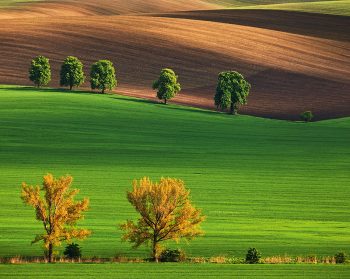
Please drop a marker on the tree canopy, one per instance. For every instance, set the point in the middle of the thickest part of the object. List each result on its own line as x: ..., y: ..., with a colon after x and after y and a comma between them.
x: 40, y: 71
x: 166, y: 213
x: 103, y: 76
x: 232, y: 91
x: 72, y: 73
x: 167, y: 85
x: 56, y: 208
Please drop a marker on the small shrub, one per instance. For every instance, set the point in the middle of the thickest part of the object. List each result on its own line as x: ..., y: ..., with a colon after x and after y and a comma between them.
x: 175, y: 255
x: 72, y: 251
x: 340, y: 258
x: 306, y: 116
x: 253, y: 256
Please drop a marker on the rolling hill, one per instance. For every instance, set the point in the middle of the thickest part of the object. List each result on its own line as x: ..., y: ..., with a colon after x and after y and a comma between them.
x: 295, y: 61
x: 278, y: 186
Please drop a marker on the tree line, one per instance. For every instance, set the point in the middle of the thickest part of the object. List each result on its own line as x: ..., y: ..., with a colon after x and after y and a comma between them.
x: 164, y: 207
x: 231, y: 92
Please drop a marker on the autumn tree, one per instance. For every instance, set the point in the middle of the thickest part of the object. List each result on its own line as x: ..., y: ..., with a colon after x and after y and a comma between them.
x: 56, y: 208
x: 102, y: 76
x: 72, y: 73
x: 166, y: 213
x: 232, y: 91
x: 167, y: 85
x: 40, y: 71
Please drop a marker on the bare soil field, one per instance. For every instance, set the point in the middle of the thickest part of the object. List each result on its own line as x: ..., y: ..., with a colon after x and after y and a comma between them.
x: 101, y: 7
x: 294, y: 61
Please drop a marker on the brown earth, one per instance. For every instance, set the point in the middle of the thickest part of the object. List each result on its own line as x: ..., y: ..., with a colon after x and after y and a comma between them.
x: 101, y: 7
x: 309, y: 24
x: 291, y: 68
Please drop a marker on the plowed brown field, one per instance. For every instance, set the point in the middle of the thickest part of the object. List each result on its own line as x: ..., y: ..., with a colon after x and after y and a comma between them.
x: 293, y: 66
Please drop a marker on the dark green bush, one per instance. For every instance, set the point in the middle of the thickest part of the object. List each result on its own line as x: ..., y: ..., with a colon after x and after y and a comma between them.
x: 175, y: 255
x: 72, y: 251
x: 253, y: 256
x: 340, y: 258
x: 306, y: 116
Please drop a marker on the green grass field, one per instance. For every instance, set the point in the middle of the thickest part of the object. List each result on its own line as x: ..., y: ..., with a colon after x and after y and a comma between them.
x: 335, y: 7
x: 341, y: 7
x: 67, y: 271
x: 10, y: 3
x: 279, y: 186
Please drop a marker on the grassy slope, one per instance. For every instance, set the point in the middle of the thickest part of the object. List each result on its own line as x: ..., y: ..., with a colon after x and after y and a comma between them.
x: 336, y: 7
x: 341, y: 7
x: 173, y: 271
x: 279, y: 186
x: 9, y: 3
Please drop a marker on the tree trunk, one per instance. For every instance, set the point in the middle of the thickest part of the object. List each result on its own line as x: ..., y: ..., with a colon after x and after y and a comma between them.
x: 103, y: 90
x: 50, y: 253
x: 165, y: 101
x: 155, y: 255
x: 233, y: 109
x: 70, y: 87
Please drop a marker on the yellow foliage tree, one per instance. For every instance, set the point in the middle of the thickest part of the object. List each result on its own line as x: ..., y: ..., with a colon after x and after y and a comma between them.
x: 56, y: 208
x: 165, y: 212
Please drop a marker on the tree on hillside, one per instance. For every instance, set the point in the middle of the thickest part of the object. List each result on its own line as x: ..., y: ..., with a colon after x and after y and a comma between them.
x: 102, y: 76
x: 306, y: 116
x: 40, y: 71
x: 166, y: 213
x: 167, y: 85
x: 56, y: 208
x: 72, y: 73
x: 232, y: 91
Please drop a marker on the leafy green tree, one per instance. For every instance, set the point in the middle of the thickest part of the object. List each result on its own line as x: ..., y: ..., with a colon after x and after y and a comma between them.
x: 167, y: 85
x: 102, y: 76
x: 40, y: 71
x: 232, y: 91
x: 72, y: 73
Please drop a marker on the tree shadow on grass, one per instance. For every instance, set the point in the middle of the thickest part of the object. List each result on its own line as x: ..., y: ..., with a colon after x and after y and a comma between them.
x: 50, y: 90
x: 161, y: 105
x: 125, y: 98
x: 121, y: 98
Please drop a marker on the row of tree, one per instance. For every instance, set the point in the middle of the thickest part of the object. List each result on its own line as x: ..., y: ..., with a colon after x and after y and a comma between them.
x: 164, y: 207
x: 232, y: 89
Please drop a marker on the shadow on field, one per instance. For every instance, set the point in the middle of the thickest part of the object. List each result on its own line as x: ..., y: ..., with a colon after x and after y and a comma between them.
x: 163, y: 106
x: 132, y: 100
x: 52, y: 90
x: 120, y: 98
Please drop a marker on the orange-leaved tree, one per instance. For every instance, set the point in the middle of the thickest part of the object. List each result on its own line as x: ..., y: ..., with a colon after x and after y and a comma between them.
x: 56, y: 208
x: 166, y: 213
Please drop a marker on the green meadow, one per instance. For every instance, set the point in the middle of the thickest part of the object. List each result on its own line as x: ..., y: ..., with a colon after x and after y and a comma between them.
x: 120, y: 271
x: 282, y: 187
x: 9, y: 3
x: 335, y: 7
